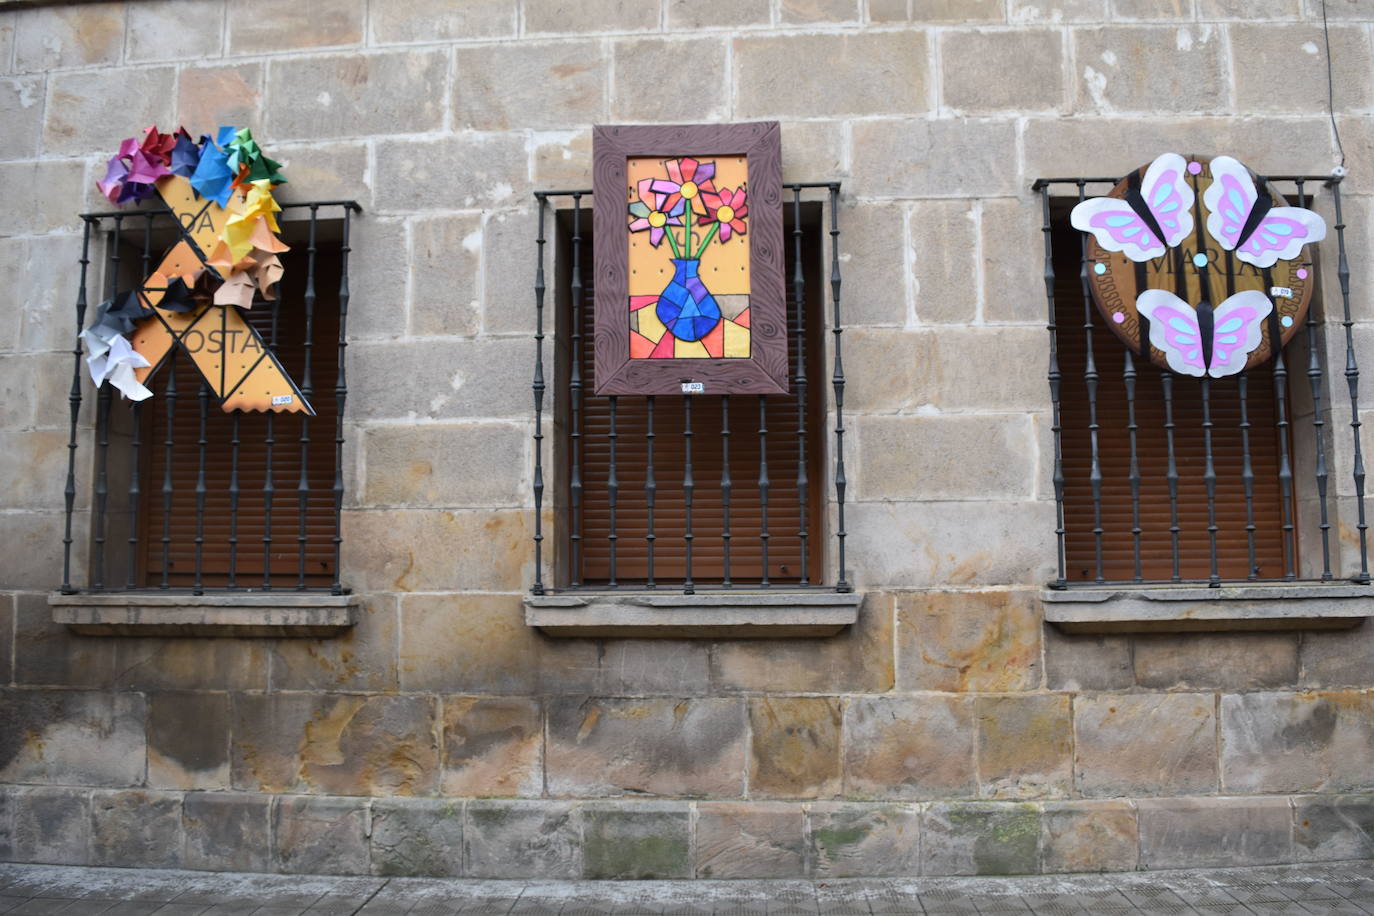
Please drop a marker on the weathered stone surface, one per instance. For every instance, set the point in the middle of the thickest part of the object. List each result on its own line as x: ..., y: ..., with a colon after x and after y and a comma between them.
x: 315, y: 97
x: 35, y: 542
x: 175, y: 29
x: 439, y: 20
x: 968, y: 640
x: 1297, y: 742
x: 875, y: 259
x: 472, y: 643
x: 523, y: 839
x: 1333, y: 828
x: 219, y: 95
x: 819, y: 10
x: 953, y: 368
x: 1005, y: 225
x: 794, y: 749
x: 50, y: 825
x: 26, y: 469
x: 507, y: 261
x: 335, y: 171
x: 1075, y: 662
x: 560, y: 159
x: 451, y: 379
x: 684, y: 15
x: 43, y: 294
x: 188, y: 740
x: 591, y: 16
x: 639, y: 64
x: 1302, y: 48
x: 412, y: 836
x: 849, y: 840
x: 72, y: 738
x: 21, y: 105
x: 335, y: 743
x: 444, y: 299
x: 980, y: 838
x: 492, y: 746
x: 42, y: 195
x: 917, y: 746
x: 47, y: 653
x: 942, y: 234
x: 378, y: 277
x: 1145, y: 744
x: 636, y: 841
x: 1235, y: 661
x: 1250, y: 9
x: 1025, y: 746
x: 1214, y: 832
x: 1341, y: 658
x: 1188, y: 61
x: 261, y: 25
x: 415, y: 550
x: 136, y: 829
x: 440, y: 465
x: 530, y: 85
x: 68, y: 36
x: 814, y: 151
x: 945, y: 457
x: 944, y: 12
x: 227, y: 831
x: 1084, y: 836
x: 362, y: 658
x: 658, y: 746
x: 204, y: 664
x: 1144, y: 10
x: 919, y: 158
x: 86, y: 109
x: 749, y: 840
x: 1035, y: 56
x: 882, y: 72
x: 858, y: 660
x: 320, y: 836
x: 1028, y: 11
x: 7, y: 616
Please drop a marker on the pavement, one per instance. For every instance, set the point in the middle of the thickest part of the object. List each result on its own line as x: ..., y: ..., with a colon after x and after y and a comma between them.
x: 1342, y: 887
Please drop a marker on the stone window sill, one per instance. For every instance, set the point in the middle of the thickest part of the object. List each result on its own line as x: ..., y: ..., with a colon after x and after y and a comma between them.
x: 239, y: 614
x: 743, y: 615
x: 1191, y: 608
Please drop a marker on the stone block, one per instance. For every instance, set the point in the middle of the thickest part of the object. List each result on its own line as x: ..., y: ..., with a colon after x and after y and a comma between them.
x: 72, y: 737
x: 943, y: 242
x: 42, y: 196
x: 1297, y: 742
x: 50, y: 825
x: 749, y: 840
x: 1145, y: 10
x: 851, y: 840
x: 914, y: 746
x: 88, y: 34
x: 1187, y: 62
x: 1034, y: 55
x: 944, y: 457
x: 320, y: 836
x: 530, y: 840
x: 379, y: 276
x: 311, y: 98
x: 156, y: 663
x: 1074, y: 662
x: 808, y: 11
x: 47, y: 653
x: 636, y: 841
x: 362, y: 658
x: 625, y: 667
x: 881, y: 72
x: 1007, y: 227
x: 441, y: 465
x: 1050, y: 11
x: 969, y: 641
x: 136, y: 829
x: 439, y: 20
x: 526, y: 85
x: 1025, y: 746
x: 875, y: 263
x: 980, y: 838
x: 220, y: 95
x: 507, y: 255
x: 176, y: 30
x: 1341, y: 9
x: 7, y: 617
x: 418, y: 837
x: 1235, y: 661
x: 1145, y: 744
x: 188, y: 740
x: 640, y: 65
x: 21, y: 106
x: 1088, y: 836
x: 227, y: 831
x: 334, y: 171
x: 794, y: 747
x: 86, y: 109
x: 335, y: 743
x: 262, y: 25
x: 684, y: 15
x: 965, y: 157
x: 27, y: 467
x: 44, y: 291
x: 7, y: 21
x: 857, y: 660
x: 445, y: 299
x: 655, y: 746
x: 1339, y: 658
x: 485, y: 384
x: 563, y: 16
x: 415, y: 550
x: 492, y: 746
x: 1249, y: 9
x: 472, y: 643
x: 943, y: 12
x: 560, y: 159
x: 1333, y: 828
x: 35, y: 548
x: 1302, y: 48
x: 1214, y: 832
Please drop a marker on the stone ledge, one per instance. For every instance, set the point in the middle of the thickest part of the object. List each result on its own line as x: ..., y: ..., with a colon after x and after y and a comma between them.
x: 1192, y: 608
x: 747, y: 615
x: 238, y: 614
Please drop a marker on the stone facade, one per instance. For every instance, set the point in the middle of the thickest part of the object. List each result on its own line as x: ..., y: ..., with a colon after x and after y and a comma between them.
x: 950, y: 731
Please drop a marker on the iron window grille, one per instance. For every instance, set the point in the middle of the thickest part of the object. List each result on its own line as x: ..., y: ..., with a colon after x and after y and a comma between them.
x: 671, y: 434
x: 1105, y: 496
x: 186, y: 498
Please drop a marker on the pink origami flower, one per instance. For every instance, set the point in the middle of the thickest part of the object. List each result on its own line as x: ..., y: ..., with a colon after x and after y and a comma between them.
x: 727, y: 208
x: 689, y: 179
x: 651, y: 212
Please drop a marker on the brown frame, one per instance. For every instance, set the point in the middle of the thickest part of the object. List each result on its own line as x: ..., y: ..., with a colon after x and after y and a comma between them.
x: 766, y: 370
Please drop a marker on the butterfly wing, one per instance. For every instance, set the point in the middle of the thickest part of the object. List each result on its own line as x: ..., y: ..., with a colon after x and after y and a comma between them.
x: 1281, y: 235
x: 1169, y: 197
x: 1237, y: 328
x: 1173, y: 329
x: 1117, y: 227
x: 1229, y: 200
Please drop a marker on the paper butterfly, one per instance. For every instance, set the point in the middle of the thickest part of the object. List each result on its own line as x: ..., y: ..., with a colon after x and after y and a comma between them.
x: 1243, y: 220
x: 1230, y: 332
x: 1148, y: 220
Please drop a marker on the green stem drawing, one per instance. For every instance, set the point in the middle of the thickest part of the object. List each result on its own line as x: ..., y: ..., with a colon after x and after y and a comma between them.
x: 672, y: 242
x: 709, y: 236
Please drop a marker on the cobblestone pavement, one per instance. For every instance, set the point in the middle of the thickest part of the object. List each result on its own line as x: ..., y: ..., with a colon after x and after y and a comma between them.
x: 45, y: 889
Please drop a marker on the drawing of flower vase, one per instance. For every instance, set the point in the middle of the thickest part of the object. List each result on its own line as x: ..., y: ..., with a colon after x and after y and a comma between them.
x: 686, y: 307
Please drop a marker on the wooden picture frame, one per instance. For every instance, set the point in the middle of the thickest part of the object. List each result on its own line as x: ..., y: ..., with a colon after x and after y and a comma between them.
x: 755, y: 362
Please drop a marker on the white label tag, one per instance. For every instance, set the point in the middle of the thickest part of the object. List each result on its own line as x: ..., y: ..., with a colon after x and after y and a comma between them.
x: 280, y: 400
x: 1281, y: 291
x: 693, y: 387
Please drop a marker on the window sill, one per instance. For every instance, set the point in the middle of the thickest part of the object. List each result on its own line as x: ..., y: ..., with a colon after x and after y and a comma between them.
x: 159, y: 614
x: 1192, y: 608
x: 744, y: 615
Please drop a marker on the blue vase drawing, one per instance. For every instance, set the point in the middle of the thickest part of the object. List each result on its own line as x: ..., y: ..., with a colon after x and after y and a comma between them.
x: 686, y: 307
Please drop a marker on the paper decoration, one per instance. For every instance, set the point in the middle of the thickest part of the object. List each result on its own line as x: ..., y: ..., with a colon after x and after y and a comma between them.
x: 1199, y: 266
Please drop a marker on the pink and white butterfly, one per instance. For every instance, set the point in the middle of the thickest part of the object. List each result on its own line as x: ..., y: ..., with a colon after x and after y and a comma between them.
x: 1160, y: 217
x: 1237, y: 327
x: 1279, y: 232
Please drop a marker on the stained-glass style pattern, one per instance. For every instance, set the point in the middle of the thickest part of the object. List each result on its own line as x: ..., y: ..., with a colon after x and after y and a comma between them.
x: 688, y: 258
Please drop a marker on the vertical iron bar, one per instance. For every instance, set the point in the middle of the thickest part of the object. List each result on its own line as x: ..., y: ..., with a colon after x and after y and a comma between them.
x: 650, y: 490
x: 234, y: 443
x: 1055, y: 380
x: 688, y: 489
x: 1314, y: 378
x: 837, y: 380
x: 538, y: 389
x: 613, y: 490
x: 201, y: 442
x: 1285, y: 464
x: 102, y: 425
x: 575, y: 394
x: 1352, y: 380
x: 1090, y: 379
x: 340, y: 398
x: 135, y: 495
x: 1209, y: 479
x: 74, y: 405
x: 763, y: 488
x: 168, y: 446
x: 1166, y: 381
x: 1247, y: 473
x: 307, y: 389
x: 269, y: 488
x: 726, y: 485
x: 799, y: 380
x: 1128, y: 375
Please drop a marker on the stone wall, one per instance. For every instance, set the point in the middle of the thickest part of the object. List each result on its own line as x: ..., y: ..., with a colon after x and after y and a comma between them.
x: 950, y: 732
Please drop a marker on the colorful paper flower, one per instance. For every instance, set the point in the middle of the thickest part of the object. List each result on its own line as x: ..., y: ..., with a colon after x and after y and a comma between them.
x: 727, y: 209
x: 687, y: 178
x: 651, y: 213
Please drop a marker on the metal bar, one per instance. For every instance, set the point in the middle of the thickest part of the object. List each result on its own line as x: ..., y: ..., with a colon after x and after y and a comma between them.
x: 1090, y: 380
x: 1247, y: 473
x: 201, y: 442
x: 1314, y: 377
x: 1041, y: 183
x: 349, y: 206
x: 1209, y: 478
x: 799, y: 381
x: 1352, y: 380
x: 269, y: 488
x: 169, y: 394
x: 764, y: 534
x: 1166, y: 382
x: 340, y: 399
x: 613, y: 490
x: 726, y: 485
x: 1055, y: 381
x: 575, y: 395
x: 74, y: 406
x: 837, y: 381
x: 1128, y: 375
x: 102, y: 424
x: 135, y: 495
x: 1285, y: 463
x: 688, y: 489
x: 538, y: 389
x: 307, y: 389
x: 234, y: 443
x: 650, y: 490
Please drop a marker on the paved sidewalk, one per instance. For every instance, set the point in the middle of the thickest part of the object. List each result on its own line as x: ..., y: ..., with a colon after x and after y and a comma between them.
x: 45, y: 889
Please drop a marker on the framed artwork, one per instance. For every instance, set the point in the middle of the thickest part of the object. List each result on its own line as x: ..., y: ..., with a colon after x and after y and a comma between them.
x: 690, y: 282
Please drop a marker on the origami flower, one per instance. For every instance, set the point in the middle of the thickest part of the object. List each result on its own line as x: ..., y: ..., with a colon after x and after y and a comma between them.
x: 650, y: 213
x: 688, y: 178
x: 727, y: 210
